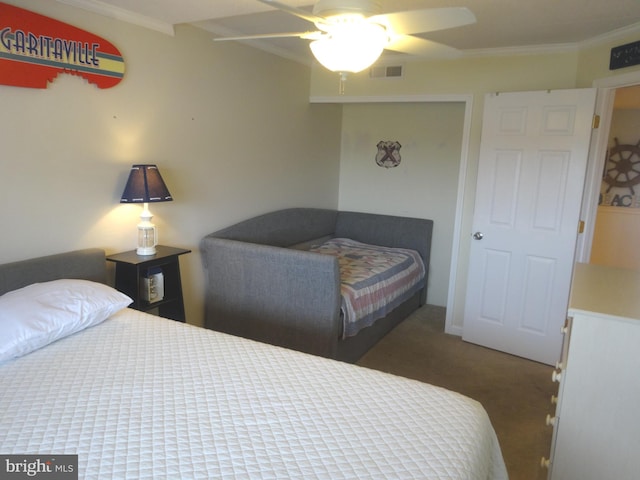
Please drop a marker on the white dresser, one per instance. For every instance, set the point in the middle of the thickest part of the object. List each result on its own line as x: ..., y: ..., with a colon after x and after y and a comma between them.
x: 597, y: 419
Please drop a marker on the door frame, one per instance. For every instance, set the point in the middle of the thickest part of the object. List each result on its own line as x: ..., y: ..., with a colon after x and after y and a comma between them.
x: 467, y: 99
x: 606, y: 90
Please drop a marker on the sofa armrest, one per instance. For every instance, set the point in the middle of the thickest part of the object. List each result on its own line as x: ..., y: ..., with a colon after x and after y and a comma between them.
x: 275, y: 295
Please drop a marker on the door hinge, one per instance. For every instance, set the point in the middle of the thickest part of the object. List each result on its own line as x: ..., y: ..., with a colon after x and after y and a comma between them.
x: 596, y: 122
x: 581, y: 226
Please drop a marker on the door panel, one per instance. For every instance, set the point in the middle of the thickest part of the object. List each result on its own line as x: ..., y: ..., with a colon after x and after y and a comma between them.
x: 533, y: 159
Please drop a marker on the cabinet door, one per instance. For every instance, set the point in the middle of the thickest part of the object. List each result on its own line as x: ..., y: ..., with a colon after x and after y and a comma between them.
x: 599, y: 416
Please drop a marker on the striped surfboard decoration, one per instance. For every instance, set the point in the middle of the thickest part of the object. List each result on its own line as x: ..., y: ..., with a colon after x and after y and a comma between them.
x: 35, y: 49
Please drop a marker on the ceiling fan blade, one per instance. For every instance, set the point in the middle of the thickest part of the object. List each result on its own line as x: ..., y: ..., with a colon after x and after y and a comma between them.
x: 427, y: 20
x: 421, y: 47
x: 298, y: 12
x: 306, y: 35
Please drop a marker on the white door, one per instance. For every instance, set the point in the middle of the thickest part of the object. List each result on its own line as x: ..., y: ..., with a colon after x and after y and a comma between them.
x: 533, y: 158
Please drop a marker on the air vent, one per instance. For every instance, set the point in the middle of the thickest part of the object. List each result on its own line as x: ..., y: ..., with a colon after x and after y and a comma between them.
x: 386, y: 72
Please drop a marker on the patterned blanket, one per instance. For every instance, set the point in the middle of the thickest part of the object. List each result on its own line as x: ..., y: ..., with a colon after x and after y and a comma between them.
x: 374, y: 280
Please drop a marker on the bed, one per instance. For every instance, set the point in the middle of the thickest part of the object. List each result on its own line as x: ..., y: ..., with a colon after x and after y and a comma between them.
x: 374, y: 280
x: 138, y: 396
x: 265, y: 281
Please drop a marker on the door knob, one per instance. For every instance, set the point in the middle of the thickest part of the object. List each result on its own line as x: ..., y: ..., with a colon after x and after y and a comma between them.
x: 478, y: 236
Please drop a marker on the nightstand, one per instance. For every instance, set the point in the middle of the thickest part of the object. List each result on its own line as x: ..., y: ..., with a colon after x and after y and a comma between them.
x: 152, y: 281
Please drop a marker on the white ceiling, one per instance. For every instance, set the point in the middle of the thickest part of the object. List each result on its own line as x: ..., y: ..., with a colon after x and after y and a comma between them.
x: 526, y: 25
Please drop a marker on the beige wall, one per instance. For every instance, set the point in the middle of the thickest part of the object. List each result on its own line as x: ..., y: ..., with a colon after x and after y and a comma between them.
x: 230, y: 128
x: 477, y: 76
x: 593, y: 60
x: 615, y: 238
x: 423, y: 185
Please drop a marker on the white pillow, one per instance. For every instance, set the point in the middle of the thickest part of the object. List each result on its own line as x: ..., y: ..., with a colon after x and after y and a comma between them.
x: 36, y: 315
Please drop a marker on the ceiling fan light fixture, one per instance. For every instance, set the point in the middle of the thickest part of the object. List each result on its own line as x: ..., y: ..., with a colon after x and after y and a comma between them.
x: 350, y: 46
x: 330, y: 8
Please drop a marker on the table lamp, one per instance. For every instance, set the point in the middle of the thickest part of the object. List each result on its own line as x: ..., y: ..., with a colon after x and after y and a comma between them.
x: 145, y: 185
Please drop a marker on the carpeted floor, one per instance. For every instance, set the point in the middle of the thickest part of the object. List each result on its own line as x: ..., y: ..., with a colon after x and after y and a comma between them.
x: 515, y: 392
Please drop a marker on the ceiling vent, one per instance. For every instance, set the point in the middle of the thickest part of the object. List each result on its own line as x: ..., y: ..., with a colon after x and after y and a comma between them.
x: 386, y: 72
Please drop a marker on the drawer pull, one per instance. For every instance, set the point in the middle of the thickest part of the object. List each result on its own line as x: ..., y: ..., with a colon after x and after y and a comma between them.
x: 550, y: 421
x: 556, y: 376
x: 554, y: 399
x: 544, y: 462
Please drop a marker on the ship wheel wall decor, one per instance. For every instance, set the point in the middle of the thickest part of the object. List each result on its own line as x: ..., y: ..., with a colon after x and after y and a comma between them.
x: 622, y: 168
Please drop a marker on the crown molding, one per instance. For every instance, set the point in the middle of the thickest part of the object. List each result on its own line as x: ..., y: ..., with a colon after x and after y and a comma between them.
x: 613, y: 35
x: 555, y: 48
x: 525, y: 50
x: 118, y: 13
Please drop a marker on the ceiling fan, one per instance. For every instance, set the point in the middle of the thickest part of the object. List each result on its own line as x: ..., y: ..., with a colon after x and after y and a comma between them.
x: 351, y: 34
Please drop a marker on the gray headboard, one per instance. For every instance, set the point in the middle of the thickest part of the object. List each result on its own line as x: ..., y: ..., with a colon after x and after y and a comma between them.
x: 87, y: 264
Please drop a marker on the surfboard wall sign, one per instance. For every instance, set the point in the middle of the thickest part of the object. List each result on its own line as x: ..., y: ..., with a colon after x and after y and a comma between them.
x: 35, y: 49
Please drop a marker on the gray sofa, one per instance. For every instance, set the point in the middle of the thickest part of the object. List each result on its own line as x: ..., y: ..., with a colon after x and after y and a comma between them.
x: 263, y: 284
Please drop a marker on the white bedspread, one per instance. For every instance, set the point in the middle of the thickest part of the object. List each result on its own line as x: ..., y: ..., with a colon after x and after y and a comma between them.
x: 143, y: 397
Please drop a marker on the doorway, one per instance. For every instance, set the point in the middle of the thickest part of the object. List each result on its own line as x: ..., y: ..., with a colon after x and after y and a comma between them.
x: 605, y: 103
x: 450, y: 264
x: 617, y: 223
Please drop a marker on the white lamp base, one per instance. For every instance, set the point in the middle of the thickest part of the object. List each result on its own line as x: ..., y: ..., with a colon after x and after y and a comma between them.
x: 146, y: 251
x: 147, y: 235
